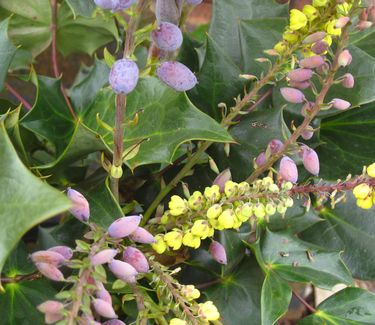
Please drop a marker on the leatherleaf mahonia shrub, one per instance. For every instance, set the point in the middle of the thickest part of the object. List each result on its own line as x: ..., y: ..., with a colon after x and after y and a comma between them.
x: 162, y: 165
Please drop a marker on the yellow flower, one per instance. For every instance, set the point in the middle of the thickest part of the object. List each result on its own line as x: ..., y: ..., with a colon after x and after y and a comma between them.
x: 331, y: 29
x: 230, y: 189
x: 281, y: 208
x: 177, y: 321
x: 226, y: 219
x: 290, y: 36
x: 214, y: 211
x: 244, y: 212
x: 306, y: 52
x: 212, y: 193
x: 190, y: 292
x: 328, y: 40
x: 373, y: 197
x: 267, y: 181
x: 243, y: 187
x: 273, y: 188
x: 177, y: 206
x: 365, y: 203
x: 165, y: 218
x: 159, y: 246
x: 362, y: 191
x: 289, y: 202
x: 190, y: 240
x: 174, y: 239
x: 196, y: 201
x: 260, y: 210
x: 310, y: 12
x: 280, y: 47
x: 208, y: 311
x: 371, y: 170
x: 298, y: 19
x: 200, y: 228
x: 237, y: 222
x: 270, y: 209
x: 320, y: 3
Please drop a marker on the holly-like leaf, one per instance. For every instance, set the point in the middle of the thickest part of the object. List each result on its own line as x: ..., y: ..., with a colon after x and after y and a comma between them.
x: 7, y: 51
x: 276, y: 295
x: 351, y: 306
x: 351, y: 230
x: 299, y: 261
x: 26, y: 200
x: 82, y: 8
x: 166, y: 120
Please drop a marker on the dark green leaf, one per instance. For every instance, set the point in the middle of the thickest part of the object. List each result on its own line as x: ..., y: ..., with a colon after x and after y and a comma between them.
x: 364, y: 40
x: 276, y: 295
x: 82, y: 8
x: 7, y: 51
x: 299, y: 261
x: 18, y: 262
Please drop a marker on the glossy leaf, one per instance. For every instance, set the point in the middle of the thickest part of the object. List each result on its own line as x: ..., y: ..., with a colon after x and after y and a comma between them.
x: 22, y: 195
x: 299, y: 261
x: 82, y: 8
x: 7, y: 51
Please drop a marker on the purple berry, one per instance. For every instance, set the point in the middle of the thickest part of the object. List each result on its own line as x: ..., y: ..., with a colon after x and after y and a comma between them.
x: 81, y: 208
x: 288, y: 170
x: 141, y: 235
x: 300, y: 75
x: 124, y: 226
x: 176, y: 75
x: 218, y: 253
x: 167, y: 36
x: 105, y: 4
x: 135, y: 258
x: 103, y: 308
x: 123, y: 77
x: 292, y: 95
x: 168, y: 11
x: 118, y: 5
x: 310, y: 160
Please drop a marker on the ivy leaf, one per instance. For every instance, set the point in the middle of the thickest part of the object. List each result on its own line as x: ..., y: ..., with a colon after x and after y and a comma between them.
x: 299, y: 261
x: 350, y: 229
x: 82, y: 8
x: 166, y: 120
x: 351, y: 306
x: 276, y: 295
x: 7, y: 51
x: 22, y: 195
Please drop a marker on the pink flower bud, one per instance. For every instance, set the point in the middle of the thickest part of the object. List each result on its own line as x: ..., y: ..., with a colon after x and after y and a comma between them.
x: 300, y: 74
x: 308, y: 133
x: 141, y: 235
x: 323, y: 69
x: 300, y: 85
x: 222, y: 178
x: 275, y: 146
x: 372, y: 14
x: 307, y: 108
x: 348, y: 80
x: 312, y: 62
x: 319, y: 47
x: 65, y: 251
x: 340, y: 104
x: 310, y: 160
x: 50, y: 271
x: 124, y: 271
x: 218, y: 253
x: 81, y: 208
x: 124, y: 226
x: 105, y: 256
x: 345, y: 58
x: 292, y: 95
x: 363, y: 24
x: 88, y: 320
x: 50, y: 318
x: 50, y: 306
x: 316, y: 37
x: 288, y: 170
x: 341, y: 22
x: 49, y: 257
x: 102, y: 293
x: 135, y: 258
x: 261, y: 159
x: 114, y: 322
x: 103, y: 308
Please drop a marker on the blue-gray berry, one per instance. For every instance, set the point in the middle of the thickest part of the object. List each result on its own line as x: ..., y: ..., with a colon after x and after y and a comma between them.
x: 124, y: 76
x: 176, y: 75
x: 167, y: 36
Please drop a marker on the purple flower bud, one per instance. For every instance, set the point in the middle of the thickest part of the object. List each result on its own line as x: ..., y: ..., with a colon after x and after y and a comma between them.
x: 49, y: 257
x: 81, y: 208
x: 102, y: 293
x: 176, y: 75
x: 218, y: 253
x: 340, y: 104
x: 261, y: 159
x: 88, y: 320
x: 323, y: 69
x: 50, y: 306
x: 124, y: 226
x: 222, y: 178
x: 292, y: 95
x: 348, y: 80
x: 105, y: 256
x: 103, y: 308
x: 167, y: 36
x: 65, y: 251
x: 124, y: 271
x: 345, y: 58
x: 300, y: 74
x: 308, y: 133
x: 105, y: 4
x: 363, y: 24
x: 123, y: 77
x: 114, y: 322
x: 316, y: 37
x: 307, y: 108
x: 275, y: 146
x: 141, y: 235
x: 194, y: 2
x: 50, y: 271
x: 118, y: 5
x: 341, y: 22
x: 319, y: 47
x: 300, y: 85
x: 312, y: 62
x: 288, y: 170
x: 135, y: 257
x: 50, y: 318
x: 310, y: 160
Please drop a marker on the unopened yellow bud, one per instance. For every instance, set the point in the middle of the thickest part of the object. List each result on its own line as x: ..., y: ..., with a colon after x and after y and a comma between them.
x: 226, y: 219
x: 371, y: 170
x: 208, y: 311
x: 343, y: 8
x: 201, y: 229
x: 177, y: 206
x: 310, y: 12
x: 298, y: 19
x: 365, y: 203
x: 214, y: 211
x: 230, y: 189
x: 267, y: 181
x: 243, y: 187
x: 159, y: 246
x: 174, y: 239
x: 165, y: 218
x: 288, y: 202
x: 196, y: 201
x: 328, y: 40
x: 212, y: 193
x: 259, y: 210
x: 280, y: 47
x: 191, y: 240
x: 273, y: 188
x: 281, y: 208
x: 362, y: 191
x: 270, y: 209
x: 286, y: 186
x: 177, y: 321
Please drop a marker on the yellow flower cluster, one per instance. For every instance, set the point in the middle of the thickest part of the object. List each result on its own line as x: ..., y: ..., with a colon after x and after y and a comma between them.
x: 203, y: 213
x: 364, y: 193
x: 320, y: 16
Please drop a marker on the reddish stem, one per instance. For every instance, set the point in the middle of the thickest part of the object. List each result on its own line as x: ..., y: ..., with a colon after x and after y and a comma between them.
x: 15, y: 93
x: 310, y: 308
